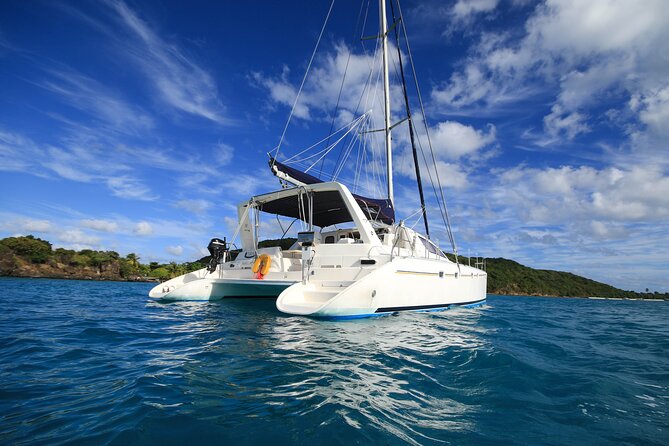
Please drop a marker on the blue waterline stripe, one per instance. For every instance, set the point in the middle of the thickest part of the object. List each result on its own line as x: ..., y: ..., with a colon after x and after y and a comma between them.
x: 426, y: 309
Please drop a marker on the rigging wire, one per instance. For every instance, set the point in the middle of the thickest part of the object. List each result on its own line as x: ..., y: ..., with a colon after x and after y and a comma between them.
x: 349, y: 125
x: 445, y: 216
x: 297, y: 97
x: 347, y: 153
x: 341, y: 87
x: 411, y: 132
x: 338, y: 141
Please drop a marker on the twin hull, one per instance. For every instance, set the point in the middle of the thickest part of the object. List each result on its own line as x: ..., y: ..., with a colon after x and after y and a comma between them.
x: 400, y: 285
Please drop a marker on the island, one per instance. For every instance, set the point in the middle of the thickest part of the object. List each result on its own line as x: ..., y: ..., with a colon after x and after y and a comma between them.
x: 29, y: 256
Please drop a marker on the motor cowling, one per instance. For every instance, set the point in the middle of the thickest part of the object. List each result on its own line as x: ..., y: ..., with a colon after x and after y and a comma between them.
x: 217, y: 249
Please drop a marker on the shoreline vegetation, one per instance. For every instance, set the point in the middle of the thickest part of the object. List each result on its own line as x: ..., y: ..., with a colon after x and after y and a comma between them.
x: 29, y: 256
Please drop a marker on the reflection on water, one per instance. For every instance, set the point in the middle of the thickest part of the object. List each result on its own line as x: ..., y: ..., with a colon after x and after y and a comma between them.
x: 392, y: 374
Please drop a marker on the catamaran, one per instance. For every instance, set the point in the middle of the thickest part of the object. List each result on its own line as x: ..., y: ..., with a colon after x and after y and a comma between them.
x: 352, y: 258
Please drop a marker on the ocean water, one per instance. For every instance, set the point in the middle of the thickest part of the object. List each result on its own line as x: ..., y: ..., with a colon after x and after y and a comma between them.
x: 98, y: 363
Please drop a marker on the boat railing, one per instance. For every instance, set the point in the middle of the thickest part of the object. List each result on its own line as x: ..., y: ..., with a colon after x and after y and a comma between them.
x: 402, y: 236
x: 479, y: 263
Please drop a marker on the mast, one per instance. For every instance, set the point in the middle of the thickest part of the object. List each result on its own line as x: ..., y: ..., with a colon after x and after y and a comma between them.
x: 386, y: 95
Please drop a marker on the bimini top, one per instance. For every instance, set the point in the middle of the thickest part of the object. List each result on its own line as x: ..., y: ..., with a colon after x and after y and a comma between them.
x: 329, y: 205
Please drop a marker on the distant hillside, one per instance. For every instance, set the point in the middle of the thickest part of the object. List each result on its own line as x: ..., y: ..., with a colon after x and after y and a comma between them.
x: 33, y: 257
x: 509, y: 277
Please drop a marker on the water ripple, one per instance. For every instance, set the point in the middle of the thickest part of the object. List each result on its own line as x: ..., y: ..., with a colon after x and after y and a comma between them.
x: 97, y: 363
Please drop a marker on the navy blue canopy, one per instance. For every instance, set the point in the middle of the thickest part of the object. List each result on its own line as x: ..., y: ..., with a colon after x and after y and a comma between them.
x: 375, y: 209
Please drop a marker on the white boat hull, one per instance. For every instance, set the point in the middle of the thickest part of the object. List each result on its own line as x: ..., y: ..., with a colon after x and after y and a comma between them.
x: 196, y: 286
x: 401, y: 285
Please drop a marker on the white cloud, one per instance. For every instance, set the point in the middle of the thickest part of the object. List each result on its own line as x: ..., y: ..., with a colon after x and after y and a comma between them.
x: 132, y: 188
x: 464, y: 9
x: 89, y: 161
x: 100, y: 225
x: 605, y: 223
x: 195, y: 206
x: 37, y: 225
x: 18, y: 153
x: 653, y: 110
x: 282, y: 92
x: 244, y: 184
x: 559, y: 122
x: 573, y: 27
x: 223, y: 153
x: 361, y: 90
x: 175, y: 250
x: 13, y: 223
x: 143, y: 228
x: 89, y: 95
x: 78, y: 238
x: 180, y: 82
x: 567, y: 195
x: 454, y: 140
x: 605, y: 230
x: 466, y: 87
x: 569, y: 48
x: 451, y: 175
x: 540, y: 237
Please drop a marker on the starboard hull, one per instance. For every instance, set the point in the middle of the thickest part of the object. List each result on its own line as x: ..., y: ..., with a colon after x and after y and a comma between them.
x: 403, y: 285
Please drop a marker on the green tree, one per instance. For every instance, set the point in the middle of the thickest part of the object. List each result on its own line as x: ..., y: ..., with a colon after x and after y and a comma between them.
x: 125, y: 268
x: 64, y: 255
x: 79, y: 259
x: 160, y: 273
x: 30, y: 248
x: 133, y: 259
x: 173, y: 268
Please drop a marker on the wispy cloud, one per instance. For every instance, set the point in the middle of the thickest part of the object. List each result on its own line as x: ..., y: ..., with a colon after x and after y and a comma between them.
x: 176, y: 78
x: 78, y: 239
x: 88, y: 158
x: 197, y: 206
x: 93, y: 97
x: 132, y: 188
x: 18, y: 224
x: 463, y: 10
x: 87, y: 164
x: 18, y: 153
x: 179, y: 81
x: 100, y: 225
x: 143, y: 228
x: 175, y: 250
x: 360, y: 90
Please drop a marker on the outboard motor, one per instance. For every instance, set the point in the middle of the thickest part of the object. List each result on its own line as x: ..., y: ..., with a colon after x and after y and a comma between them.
x: 218, y: 249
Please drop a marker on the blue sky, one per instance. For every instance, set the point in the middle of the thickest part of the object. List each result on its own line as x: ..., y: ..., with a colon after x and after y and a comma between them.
x: 138, y: 126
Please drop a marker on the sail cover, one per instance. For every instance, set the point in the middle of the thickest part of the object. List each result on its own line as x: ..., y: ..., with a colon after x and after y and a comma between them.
x: 330, y: 209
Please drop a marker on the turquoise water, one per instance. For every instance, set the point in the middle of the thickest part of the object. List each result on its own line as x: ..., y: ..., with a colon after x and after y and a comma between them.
x: 98, y: 363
